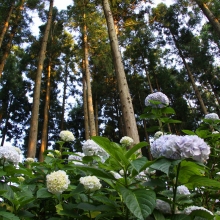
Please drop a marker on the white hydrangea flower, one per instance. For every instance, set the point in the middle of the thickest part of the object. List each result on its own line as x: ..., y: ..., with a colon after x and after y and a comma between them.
x: 215, y: 132
x: 212, y: 116
x: 116, y: 175
x: 57, y: 182
x: 158, y: 134
x: 21, y: 179
x: 66, y: 136
x: 189, y: 209
x: 126, y: 141
x: 180, y: 147
x: 90, y: 148
x: 142, y: 176
x: 157, y: 96
x: 91, y: 183
x: 29, y: 160
x: 10, y: 154
x: 183, y: 190
x: 149, y: 171
x: 163, y: 206
x: 77, y: 156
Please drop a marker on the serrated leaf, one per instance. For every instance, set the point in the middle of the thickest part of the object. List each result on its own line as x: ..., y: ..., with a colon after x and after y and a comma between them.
x: 157, y: 215
x: 162, y: 164
x: 140, y: 202
x: 168, y: 110
x: 202, y: 213
x: 43, y: 193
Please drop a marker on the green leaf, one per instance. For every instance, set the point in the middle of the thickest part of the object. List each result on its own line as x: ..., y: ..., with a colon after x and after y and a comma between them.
x: 43, y: 193
x: 168, y: 110
x: 202, y: 213
x: 140, y: 202
x: 198, y: 181
x: 135, y: 148
x: 141, y: 164
x: 95, y: 171
x: 188, y: 132
x: 189, y: 169
x: 147, y: 116
x: 162, y: 164
x: 157, y: 215
x: 9, y: 216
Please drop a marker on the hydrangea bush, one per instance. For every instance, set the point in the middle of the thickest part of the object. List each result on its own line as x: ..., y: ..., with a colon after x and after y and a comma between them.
x: 110, y: 181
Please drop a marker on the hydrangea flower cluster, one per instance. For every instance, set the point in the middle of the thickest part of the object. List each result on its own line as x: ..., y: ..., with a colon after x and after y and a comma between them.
x: 212, y: 116
x: 29, y: 160
x: 126, y: 141
x: 91, y: 183
x: 90, y: 148
x: 189, y: 209
x: 57, y: 182
x: 157, y: 96
x: 163, y: 206
x: 183, y: 190
x: 180, y: 147
x: 77, y: 156
x: 67, y: 136
x: 10, y: 154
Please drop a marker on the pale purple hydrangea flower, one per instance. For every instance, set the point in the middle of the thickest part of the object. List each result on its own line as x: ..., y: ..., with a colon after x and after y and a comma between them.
x: 157, y: 96
x: 78, y: 156
x: 183, y: 190
x: 189, y: 209
x: 10, y: 154
x: 66, y: 136
x: 91, y: 183
x: 180, y: 147
x: 163, y: 206
x: 212, y: 116
x: 90, y: 148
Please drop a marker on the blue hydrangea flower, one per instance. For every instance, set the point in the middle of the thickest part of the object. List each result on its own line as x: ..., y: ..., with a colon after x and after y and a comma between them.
x: 157, y: 96
x: 212, y: 116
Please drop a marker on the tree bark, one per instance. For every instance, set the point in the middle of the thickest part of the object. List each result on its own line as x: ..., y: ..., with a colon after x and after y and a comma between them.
x: 88, y: 83
x: 31, y: 152
x: 190, y: 75
x: 44, y: 137
x: 85, y: 109
x: 124, y: 94
x: 212, y: 19
x: 6, y: 23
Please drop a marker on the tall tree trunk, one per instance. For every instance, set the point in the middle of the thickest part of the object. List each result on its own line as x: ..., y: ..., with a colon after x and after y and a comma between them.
x: 64, y: 97
x: 190, y: 75
x: 212, y: 19
x: 96, y: 116
x: 88, y: 83
x: 31, y: 152
x: 11, y: 36
x: 124, y: 94
x: 44, y: 137
x: 6, y: 23
x: 85, y: 109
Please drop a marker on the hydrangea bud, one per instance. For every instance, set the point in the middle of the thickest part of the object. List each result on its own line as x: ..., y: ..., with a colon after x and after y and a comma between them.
x: 126, y: 141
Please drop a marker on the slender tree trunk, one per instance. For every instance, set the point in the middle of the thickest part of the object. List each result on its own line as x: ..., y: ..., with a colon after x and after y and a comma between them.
x: 85, y: 109
x: 31, y: 152
x: 196, y: 90
x: 212, y: 19
x: 88, y: 83
x: 6, y: 23
x: 44, y: 137
x: 96, y: 116
x: 64, y: 97
x: 124, y: 94
x: 10, y: 37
